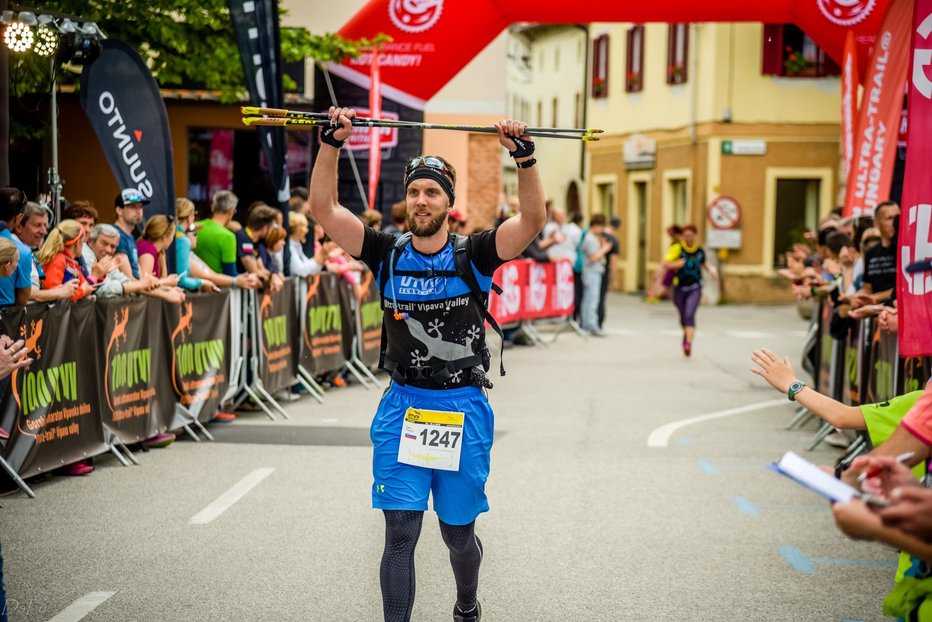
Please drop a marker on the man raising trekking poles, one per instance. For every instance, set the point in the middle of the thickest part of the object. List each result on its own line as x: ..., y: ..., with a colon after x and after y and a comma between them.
x: 432, y: 433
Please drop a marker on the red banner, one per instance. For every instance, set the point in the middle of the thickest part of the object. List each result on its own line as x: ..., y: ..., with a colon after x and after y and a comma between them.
x: 432, y: 40
x: 914, y: 290
x: 849, y: 100
x: 532, y: 290
x: 881, y: 106
x: 508, y: 307
x: 562, y: 292
x: 535, y: 291
x: 375, y: 147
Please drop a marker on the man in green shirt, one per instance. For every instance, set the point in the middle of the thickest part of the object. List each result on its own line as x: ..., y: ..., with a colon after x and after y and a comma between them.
x: 216, y: 245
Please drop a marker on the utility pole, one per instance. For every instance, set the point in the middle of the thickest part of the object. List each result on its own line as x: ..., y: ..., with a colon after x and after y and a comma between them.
x: 4, y: 109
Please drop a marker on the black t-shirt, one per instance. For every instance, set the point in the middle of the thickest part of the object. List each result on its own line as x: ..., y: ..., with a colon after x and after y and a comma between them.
x: 616, y: 247
x: 440, y: 320
x: 880, y: 267
x: 245, y: 247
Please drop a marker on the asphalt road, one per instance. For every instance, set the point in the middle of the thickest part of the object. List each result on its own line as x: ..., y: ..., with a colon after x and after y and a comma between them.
x: 587, y: 521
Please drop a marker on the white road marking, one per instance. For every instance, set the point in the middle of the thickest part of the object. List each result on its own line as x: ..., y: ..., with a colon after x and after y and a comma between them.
x: 625, y: 332
x: 227, y: 499
x: 81, y: 607
x: 748, y: 334
x: 661, y: 436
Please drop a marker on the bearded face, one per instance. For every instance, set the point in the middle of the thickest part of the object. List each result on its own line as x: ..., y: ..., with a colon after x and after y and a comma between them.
x: 428, y: 207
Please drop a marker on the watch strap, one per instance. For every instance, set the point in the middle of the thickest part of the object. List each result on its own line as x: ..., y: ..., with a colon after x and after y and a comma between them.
x: 794, y: 389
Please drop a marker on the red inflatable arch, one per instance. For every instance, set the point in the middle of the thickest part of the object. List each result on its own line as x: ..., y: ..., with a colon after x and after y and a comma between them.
x: 434, y: 39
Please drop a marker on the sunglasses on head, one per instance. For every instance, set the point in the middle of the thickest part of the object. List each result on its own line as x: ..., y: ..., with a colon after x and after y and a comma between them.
x: 428, y: 162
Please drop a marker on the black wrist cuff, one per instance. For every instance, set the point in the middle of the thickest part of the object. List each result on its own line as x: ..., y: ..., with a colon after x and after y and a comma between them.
x: 526, y: 163
x: 326, y: 136
x: 523, y: 148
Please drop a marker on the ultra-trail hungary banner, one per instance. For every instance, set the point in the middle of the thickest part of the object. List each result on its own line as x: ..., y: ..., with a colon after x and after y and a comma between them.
x: 126, y: 110
x: 278, y: 334
x: 51, y: 409
x: 199, y: 337
x: 137, y: 400
x: 871, y: 175
x: 322, y: 336
x: 914, y: 289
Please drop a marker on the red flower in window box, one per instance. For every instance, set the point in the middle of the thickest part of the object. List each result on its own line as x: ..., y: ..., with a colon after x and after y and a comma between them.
x: 798, y: 65
x: 676, y: 73
x: 633, y: 80
x: 598, y: 86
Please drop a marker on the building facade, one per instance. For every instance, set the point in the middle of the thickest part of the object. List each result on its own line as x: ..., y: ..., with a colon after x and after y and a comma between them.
x: 700, y: 115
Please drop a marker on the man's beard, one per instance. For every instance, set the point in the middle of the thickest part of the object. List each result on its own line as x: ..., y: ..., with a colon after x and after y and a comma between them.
x: 432, y: 227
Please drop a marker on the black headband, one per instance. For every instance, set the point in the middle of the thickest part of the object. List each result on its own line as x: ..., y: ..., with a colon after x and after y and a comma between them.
x: 426, y: 172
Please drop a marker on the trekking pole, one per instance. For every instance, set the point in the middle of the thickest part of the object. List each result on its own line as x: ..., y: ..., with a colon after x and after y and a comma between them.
x: 303, y: 124
x: 297, y: 117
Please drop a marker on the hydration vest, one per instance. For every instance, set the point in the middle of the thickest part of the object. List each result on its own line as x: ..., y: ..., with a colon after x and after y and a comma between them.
x: 478, y: 299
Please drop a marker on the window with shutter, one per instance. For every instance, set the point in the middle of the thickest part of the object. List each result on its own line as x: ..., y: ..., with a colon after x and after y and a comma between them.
x: 600, y: 66
x: 788, y: 51
x: 677, y: 53
x: 634, y: 61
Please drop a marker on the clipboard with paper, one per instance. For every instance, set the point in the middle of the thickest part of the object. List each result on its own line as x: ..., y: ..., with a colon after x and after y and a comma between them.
x: 815, y: 479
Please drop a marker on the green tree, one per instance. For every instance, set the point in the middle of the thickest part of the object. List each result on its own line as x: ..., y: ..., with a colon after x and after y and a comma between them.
x: 187, y: 43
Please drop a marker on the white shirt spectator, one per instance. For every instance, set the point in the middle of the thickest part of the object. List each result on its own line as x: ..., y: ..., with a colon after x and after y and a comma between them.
x: 301, y: 264
x: 566, y: 249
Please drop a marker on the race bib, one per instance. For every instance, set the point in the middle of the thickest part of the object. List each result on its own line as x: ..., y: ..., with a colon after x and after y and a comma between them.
x: 432, y: 439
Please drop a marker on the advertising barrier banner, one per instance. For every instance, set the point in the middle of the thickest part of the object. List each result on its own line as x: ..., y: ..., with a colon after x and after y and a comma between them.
x: 508, y: 308
x: 199, y: 338
x: 322, y: 341
x: 370, y: 321
x: 278, y: 332
x: 52, y: 408
x: 851, y: 376
x: 884, y: 361
x: 137, y: 400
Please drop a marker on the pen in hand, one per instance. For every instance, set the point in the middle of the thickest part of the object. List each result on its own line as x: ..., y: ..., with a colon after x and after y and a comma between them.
x: 875, y: 472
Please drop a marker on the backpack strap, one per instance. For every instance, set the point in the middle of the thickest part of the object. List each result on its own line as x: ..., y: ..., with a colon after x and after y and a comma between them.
x: 464, y: 271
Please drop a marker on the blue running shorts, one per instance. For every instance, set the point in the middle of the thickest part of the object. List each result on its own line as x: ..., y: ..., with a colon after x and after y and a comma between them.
x: 459, y: 496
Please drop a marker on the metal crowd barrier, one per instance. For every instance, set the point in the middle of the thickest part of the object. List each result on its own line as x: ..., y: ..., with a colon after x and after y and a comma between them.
x: 863, y: 367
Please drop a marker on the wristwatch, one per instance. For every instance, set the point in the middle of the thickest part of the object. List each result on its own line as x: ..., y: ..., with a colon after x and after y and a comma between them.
x: 795, y: 388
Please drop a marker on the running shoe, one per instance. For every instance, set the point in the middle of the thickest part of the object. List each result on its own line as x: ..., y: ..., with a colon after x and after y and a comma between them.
x: 161, y: 440
x: 77, y: 469
x: 652, y: 300
x: 472, y: 616
x: 4, y: 435
x: 223, y: 417
x: 687, y: 348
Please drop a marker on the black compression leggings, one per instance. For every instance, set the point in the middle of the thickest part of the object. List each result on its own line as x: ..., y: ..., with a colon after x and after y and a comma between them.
x: 402, y: 530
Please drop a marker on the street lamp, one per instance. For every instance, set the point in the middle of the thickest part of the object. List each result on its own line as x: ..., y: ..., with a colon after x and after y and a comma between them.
x: 63, y: 39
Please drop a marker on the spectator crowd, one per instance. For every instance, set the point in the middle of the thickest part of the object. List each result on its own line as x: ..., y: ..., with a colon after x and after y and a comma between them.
x: 165, y: 257
x: 850, y: 266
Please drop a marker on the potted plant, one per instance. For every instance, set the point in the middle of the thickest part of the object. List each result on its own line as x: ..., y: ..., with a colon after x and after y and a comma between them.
x: 676, y: 73
x: 633, y: 81
x: 598, y: 86
x: 796, y: 64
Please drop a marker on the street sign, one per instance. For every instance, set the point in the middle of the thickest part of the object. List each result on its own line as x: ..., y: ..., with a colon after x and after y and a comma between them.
x: 724, y: 213
x: 723, y: 238
x: 744, y: 147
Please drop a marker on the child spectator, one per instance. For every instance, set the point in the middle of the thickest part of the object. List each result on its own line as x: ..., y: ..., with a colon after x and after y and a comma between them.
x: 58, y: 258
